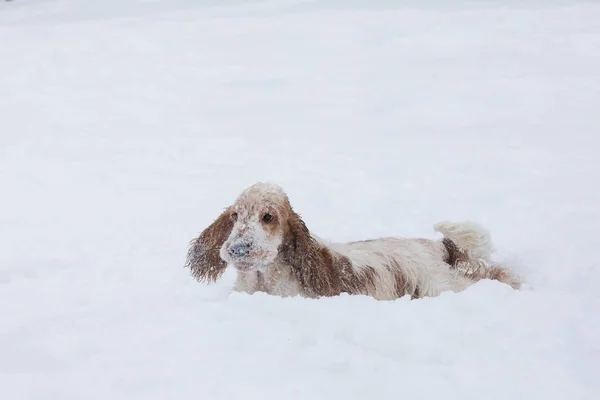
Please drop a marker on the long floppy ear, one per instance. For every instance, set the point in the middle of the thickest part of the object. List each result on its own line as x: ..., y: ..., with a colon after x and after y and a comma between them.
x: 311, y: 262
x: 203, y: 256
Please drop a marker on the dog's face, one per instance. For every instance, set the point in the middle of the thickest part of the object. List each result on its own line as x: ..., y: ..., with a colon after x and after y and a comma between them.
x: 258, y: 217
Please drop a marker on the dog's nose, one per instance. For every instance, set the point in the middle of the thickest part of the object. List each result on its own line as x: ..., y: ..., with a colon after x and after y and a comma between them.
x: 240, y: 249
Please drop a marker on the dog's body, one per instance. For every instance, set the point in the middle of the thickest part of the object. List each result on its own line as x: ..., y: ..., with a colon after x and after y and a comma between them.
x: 273, y: 251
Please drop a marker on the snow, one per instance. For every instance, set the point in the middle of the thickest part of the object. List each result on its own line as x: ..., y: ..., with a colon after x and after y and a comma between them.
x: 127, y: 126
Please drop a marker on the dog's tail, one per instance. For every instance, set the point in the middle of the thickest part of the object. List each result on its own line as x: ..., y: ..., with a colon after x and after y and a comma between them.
x: 471, y: 239
x: 469, y: 246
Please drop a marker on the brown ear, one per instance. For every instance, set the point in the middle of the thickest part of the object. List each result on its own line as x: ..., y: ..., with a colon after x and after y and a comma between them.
x: 203, y: 256
x: 311, y: 262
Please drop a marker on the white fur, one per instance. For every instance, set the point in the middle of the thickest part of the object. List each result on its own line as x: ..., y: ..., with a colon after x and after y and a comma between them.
x: 248, y: 229
x: 422, y: 262
x: 469, y: 236
x: 275, y: 279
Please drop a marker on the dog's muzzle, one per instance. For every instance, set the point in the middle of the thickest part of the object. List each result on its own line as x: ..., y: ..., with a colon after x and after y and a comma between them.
x: 239, y: 249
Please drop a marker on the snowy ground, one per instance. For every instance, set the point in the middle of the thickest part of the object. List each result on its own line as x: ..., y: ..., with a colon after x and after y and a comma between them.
x: 126, y: 126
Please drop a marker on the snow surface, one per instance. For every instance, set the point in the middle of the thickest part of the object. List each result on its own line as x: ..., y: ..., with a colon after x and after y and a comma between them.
x: 126, y: 126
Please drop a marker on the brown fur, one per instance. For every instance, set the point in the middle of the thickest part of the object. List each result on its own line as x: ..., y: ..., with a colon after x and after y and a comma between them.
x: 315, y: 269
x: 477, y: 270
x: 319, y: 272
x: 203, y: 256
x: 454, y: 254
x: 271, y: 226
x: 401, y: 286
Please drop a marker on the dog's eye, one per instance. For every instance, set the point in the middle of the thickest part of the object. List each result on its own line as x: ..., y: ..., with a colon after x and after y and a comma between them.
x: 234, y: 216
x: 267, y: 218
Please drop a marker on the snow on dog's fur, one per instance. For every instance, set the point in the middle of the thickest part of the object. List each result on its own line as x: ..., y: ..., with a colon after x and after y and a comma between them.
x: 273, y: 251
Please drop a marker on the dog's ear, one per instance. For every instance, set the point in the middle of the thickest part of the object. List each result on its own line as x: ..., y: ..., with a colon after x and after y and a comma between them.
x: 203, y: 256
x: 312, y: 264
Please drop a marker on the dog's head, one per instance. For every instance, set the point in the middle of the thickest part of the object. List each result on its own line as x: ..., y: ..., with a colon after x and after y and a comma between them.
x: 248, y: 235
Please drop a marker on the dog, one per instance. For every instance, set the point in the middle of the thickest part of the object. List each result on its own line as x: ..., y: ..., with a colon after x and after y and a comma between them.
x: 273, y: 251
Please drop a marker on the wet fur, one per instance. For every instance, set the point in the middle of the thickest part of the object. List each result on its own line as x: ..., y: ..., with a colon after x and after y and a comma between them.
x: 385, y: 268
